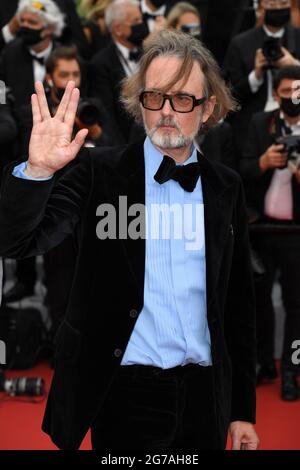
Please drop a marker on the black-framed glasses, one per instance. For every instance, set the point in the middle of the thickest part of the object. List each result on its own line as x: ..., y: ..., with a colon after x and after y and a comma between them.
x: 181, y: 102
x: 277, y: 3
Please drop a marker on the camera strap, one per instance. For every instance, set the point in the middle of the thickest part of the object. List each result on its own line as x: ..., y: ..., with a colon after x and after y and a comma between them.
x: 278, y: 127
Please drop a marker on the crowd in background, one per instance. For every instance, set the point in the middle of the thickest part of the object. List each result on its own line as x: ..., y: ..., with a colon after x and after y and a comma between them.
x: 97, y: 43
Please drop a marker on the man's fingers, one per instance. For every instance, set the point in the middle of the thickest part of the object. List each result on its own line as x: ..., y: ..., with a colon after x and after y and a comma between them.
x: 72, y: 108
x: 78, y: 141
x: 42, y: 101
x: 236, y: 443
x: 63, y: 105
x: 36, y: 114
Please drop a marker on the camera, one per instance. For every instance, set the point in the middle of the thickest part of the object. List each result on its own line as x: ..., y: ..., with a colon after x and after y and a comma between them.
x: 88, y: 113
x: 292, y: 147
x: 272, y: 49
x: 30, y: 386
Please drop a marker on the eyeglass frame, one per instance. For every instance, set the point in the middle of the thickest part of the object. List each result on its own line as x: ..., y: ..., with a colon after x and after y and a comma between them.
x: 278, y: 2
x: 196, y: 102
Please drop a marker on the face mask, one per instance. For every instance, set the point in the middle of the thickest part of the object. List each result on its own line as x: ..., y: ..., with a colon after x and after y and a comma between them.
x: 59, y: 92
x: 277, y: 18
x: 158, y: 3
x: 138, y: 33
x: 194, y: 29
x: 289, y: 108
x: 29, y: 36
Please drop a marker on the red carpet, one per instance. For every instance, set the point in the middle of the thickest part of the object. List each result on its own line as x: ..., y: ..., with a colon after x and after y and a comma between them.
x: 277, y: 421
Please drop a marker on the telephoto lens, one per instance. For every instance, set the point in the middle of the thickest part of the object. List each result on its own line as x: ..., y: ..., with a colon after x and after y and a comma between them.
x: 29, y: 386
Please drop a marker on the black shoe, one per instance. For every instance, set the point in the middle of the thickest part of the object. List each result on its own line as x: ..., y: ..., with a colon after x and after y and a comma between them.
x: 18, y: 292
x: 289, y: 386
x: 266, y: 374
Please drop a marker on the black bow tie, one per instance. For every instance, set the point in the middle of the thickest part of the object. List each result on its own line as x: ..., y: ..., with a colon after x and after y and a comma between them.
x: 148, y: 16
x: 135, y: 55
x: 186, y: 175
x: 41, y: 60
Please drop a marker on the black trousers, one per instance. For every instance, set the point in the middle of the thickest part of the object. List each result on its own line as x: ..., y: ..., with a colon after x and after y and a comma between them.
x: 278, y: 252
x: 149, y: 408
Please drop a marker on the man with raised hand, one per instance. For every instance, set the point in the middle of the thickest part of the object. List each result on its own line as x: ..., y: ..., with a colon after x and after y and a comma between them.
x: 157, y: 349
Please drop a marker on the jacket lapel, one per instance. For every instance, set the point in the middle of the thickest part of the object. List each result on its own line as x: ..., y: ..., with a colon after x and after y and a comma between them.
x: 218, y: 208
x: 127, y: 180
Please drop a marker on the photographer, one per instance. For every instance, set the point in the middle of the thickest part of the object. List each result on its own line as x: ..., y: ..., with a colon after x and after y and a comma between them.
x: 255, y: 55
x: 64, y: 65
x: 272, y: 179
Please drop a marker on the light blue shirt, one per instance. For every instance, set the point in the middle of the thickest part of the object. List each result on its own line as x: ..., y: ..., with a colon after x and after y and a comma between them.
x: 19, y: 172
x: 172, y: 327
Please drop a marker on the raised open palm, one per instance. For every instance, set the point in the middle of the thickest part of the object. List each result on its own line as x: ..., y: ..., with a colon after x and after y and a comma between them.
x: 50, y: 147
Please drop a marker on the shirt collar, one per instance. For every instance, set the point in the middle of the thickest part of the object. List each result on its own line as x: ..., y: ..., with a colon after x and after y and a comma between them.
x: 153, y: 158
x: 44, y: 54
x: 124, y: 50
x: 294, y: 126
x: 159, y: 12
x: 278, y: 34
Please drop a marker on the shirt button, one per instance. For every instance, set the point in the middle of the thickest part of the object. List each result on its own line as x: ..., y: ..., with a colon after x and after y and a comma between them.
x: 133, y: 313
x: 118, y: 352
x: 189, y: 360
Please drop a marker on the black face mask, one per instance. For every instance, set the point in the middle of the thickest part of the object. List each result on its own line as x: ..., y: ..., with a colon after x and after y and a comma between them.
x: 289, y: 108
x: 59, y: 92
x: 277, y: 18
x: 138, y: 33
x: 158, y: 3
x: 30, y: 36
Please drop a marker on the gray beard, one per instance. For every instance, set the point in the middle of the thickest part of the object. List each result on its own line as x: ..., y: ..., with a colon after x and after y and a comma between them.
x: 168, y: 140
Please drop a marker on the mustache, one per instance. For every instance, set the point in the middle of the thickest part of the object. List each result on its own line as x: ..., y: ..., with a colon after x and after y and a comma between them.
x: 168, y: 121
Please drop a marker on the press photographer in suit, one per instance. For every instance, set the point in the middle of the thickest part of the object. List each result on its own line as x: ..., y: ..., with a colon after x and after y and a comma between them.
x: 272, y: 178
x: 252, y: 58
x: 157, y: 349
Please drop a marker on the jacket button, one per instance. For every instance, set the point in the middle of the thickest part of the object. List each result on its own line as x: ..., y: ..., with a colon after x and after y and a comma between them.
x: 133, y: 313
x: 118, y: 352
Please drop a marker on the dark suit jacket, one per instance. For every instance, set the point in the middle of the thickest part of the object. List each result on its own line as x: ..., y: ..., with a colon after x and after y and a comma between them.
x: 219, y: 145
x: 107, y: 291
x: 219, y: 24
x: 105, y: 76
x: 239, y: 62
x: 259, y: 140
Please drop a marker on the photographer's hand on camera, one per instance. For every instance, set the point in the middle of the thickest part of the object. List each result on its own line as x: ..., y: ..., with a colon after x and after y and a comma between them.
x: 51, y: 147
x: 274, y: 157
x: 260, y: 64
x: 286, y: 60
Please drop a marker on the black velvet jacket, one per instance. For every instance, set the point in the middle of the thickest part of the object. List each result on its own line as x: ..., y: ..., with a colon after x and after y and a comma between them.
x: 107, y: 290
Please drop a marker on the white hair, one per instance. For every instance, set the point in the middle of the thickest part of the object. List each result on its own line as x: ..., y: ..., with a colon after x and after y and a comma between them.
x: 116, y: 11
x: 47, y: 10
